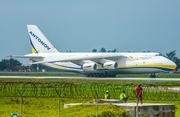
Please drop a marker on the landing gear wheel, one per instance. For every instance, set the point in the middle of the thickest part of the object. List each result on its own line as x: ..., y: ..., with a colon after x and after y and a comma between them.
x: 153, y: 75
x: 102, y: 75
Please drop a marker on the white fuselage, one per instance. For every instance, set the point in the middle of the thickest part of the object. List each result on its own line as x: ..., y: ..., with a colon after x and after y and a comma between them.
x: 144, y: 62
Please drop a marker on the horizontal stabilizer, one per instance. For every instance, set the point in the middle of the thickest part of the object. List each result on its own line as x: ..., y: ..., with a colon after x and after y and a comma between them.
x: 24, y: 56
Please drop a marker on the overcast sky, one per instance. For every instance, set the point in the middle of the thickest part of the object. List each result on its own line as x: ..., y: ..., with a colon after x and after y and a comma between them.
x: 82, y: 25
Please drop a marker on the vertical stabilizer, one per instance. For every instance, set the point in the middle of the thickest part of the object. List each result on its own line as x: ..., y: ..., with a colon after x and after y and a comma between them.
x: 39, y: 43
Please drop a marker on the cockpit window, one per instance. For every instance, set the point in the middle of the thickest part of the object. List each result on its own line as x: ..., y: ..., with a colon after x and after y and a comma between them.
x: 159, y: 54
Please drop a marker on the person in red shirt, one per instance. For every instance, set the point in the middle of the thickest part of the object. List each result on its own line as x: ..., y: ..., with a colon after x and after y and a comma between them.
x: 139, y: 93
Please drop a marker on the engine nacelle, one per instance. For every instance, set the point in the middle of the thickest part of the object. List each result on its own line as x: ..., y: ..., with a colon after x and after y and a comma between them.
x: 110, y: 65
x: 89, y: 67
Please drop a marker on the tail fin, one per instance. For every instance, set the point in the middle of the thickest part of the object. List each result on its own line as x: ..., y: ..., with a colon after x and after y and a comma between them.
x: 39, y: 43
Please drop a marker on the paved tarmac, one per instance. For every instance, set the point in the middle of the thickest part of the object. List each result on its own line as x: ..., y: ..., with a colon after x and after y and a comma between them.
x: 92, y: 78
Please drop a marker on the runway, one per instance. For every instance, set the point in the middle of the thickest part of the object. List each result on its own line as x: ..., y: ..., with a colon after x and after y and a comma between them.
x: 90, y: 78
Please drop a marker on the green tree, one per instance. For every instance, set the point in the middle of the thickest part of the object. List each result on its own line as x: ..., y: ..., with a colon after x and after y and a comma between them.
x: 94, y: 50
x: 114, y: 50
x: 10, y: 64
x: 4, y: 64
x: 14, y: 62
x: 172, y: 56
x: 102, y: 50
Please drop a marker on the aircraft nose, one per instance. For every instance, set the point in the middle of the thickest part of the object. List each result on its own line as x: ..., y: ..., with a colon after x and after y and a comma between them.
x: 172, y: 64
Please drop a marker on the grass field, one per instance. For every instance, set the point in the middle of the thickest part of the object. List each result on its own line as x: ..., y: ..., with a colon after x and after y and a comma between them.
x: 48, y: 107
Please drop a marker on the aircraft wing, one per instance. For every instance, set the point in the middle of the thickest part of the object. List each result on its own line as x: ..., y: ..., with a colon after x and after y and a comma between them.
x: 96, y: 58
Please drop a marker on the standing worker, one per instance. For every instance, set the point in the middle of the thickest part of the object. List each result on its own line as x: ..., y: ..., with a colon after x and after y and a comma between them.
x: 107, y: 95
x: 123, y: 96
x: 139, y: 93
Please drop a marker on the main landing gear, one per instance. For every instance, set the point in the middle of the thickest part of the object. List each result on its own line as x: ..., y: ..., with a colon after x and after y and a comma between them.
x: 100, y: 75
x: 153, y: 75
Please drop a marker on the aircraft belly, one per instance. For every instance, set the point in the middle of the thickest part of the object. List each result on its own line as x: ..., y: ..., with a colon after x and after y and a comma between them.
x: 139, y: 70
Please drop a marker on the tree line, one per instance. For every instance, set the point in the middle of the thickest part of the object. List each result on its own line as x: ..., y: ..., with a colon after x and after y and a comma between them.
x: 15, y: 65
x: 104, y: 50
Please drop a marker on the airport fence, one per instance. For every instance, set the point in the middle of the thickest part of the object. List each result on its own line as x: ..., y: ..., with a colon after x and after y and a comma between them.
x: 86, y: 90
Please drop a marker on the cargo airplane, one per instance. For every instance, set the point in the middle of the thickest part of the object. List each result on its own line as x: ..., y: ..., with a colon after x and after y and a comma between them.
x: 94, y: 64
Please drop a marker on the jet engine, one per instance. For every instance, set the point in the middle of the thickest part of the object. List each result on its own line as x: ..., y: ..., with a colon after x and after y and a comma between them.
x: 89, y: 66
x: 110, y: 65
